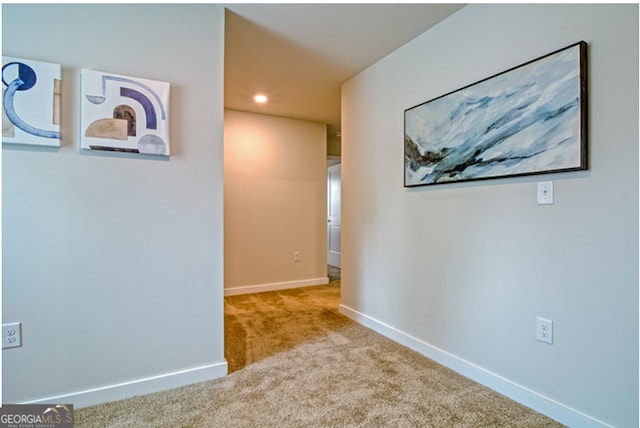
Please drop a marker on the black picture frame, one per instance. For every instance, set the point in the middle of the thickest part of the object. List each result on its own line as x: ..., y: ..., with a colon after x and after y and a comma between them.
x: 530, y: 119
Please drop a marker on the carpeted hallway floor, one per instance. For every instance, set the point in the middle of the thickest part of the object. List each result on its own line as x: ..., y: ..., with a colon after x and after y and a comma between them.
x: 295, y: 361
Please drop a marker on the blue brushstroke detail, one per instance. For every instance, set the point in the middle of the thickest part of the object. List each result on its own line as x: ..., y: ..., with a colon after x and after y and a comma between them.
x: 134, y: 82
x: 469, y: 153
x: 522, y: 119
x: 25, y: 73
x: 152, y: 145
x: 9, y: 109
x: 95, y: 99
x: 145, y: 102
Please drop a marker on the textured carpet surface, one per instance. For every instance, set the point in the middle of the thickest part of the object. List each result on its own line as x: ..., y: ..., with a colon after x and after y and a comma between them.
x: 296, y: 362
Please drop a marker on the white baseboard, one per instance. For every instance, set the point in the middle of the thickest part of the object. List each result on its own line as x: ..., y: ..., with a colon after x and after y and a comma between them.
x: 527, y: 397
x: 137, y: 387
x: 260, y: 288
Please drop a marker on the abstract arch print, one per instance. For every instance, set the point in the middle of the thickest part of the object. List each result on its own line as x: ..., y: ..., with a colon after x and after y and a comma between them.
x: 124, y: 114
x: 30, y: 102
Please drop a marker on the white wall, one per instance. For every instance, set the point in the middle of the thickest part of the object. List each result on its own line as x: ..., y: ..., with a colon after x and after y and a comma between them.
x: 113, y: 264
x: 460, y: 271
x: 275, y: 202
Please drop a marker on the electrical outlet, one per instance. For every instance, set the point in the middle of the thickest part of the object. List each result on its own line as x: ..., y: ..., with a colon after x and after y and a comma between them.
x: 11, y: 335
x: 296, y: 256
x: 544, y: 330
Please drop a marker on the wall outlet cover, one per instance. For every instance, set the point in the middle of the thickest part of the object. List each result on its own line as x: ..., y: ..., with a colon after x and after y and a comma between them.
x: 11, y: 335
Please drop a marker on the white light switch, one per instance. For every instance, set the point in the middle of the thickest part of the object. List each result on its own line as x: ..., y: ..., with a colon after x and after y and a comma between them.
x: 545, y: 193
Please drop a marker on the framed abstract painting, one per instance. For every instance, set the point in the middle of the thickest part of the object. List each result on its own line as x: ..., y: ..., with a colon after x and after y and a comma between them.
x: 124, y: 114
x: 30, y: 102
x: 531, y: 119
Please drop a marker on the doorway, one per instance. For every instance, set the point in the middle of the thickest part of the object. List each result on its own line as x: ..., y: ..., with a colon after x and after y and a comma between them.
x: 334, y: 222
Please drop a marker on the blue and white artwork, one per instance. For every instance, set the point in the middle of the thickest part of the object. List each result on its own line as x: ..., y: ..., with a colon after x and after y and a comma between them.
x: 30, y: 102
x: 528, y: 120
x: 124, y: 114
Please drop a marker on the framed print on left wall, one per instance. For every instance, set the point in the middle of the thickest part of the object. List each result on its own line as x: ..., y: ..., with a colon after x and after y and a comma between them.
x: 124, y: 114
x: 30, y: 102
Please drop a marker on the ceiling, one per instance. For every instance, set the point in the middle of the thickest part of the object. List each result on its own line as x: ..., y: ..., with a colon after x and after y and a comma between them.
x: 299, y: 55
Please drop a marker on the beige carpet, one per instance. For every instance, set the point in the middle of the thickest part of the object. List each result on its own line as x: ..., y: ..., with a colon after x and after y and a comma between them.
x: 296, y: 362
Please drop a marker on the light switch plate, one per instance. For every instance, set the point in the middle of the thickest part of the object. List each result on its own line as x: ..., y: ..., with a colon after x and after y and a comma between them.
x: 545, y: 193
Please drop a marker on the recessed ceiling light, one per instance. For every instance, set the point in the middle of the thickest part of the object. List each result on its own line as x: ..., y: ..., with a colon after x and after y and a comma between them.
x: 260, y: 99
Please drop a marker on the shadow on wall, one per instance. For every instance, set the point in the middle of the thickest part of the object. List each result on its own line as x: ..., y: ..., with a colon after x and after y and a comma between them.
x: 333, y: 273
